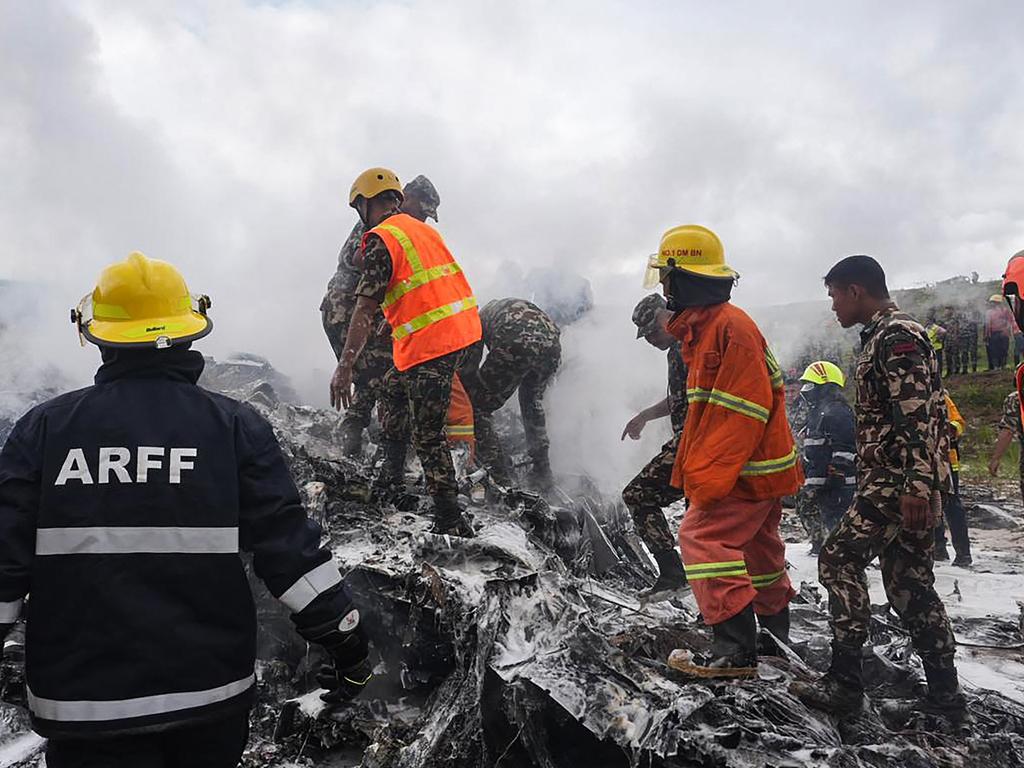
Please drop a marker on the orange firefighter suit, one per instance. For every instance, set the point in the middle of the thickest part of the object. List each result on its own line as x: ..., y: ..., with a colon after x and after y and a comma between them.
x: 460, y: 416
x: 736, y: 460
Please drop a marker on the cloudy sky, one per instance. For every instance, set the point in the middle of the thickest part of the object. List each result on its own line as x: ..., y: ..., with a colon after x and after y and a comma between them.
x: 224, y: 135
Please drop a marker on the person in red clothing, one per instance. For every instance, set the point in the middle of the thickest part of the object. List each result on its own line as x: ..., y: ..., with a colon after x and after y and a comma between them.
x: 736, y: 459
x: 998, y: 330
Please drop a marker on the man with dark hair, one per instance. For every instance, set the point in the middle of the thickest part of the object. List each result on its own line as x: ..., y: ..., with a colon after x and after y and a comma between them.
x: 903, y: 466
x: 651, y: 490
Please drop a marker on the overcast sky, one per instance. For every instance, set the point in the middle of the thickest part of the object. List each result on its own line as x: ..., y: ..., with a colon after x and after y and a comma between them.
x: 224, y: 136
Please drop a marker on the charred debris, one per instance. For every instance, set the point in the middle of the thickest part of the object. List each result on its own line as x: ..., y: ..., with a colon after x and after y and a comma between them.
x: 526, y: 646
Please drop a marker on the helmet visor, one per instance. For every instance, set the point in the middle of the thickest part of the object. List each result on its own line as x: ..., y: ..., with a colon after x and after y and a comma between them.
x: 652, y: 277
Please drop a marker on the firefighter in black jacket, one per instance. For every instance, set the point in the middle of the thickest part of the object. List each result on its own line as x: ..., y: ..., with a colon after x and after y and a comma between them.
x: 123, y: 507
x: 829, y: 452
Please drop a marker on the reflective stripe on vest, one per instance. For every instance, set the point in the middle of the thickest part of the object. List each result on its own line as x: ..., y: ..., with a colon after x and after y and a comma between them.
x: 769, y: 466
x: 143, y: 706
x: 311, y: 585
x: 732, y: 402
x: 136, y: 540
x: 459, y: 430
x: 431, y: 317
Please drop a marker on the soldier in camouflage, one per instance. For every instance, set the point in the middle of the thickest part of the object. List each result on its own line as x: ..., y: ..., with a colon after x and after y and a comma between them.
x: 651, y: 490
x: 1010, y: 429
x: 969, y: 326
x: 903, y: 466
x: 952, y: 322
x: 523, y: 352
x: 421, y: 201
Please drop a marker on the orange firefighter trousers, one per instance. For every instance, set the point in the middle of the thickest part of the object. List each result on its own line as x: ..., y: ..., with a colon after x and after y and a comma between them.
x: 734, y: 556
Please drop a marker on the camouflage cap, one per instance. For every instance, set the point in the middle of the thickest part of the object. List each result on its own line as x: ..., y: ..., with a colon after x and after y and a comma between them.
x: 645, y: 314
x: 424, y: 191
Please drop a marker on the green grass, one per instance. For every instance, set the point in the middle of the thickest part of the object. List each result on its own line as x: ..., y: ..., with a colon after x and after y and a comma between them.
x: 979, y: 396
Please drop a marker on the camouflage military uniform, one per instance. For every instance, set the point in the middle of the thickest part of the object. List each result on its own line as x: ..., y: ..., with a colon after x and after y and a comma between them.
x: 524, y: 352
x: 953, y: 325
x: 902, y: 448
x: 652, y: 490
x: 414, y: 403
x: 968, y: 341
x: 1010, y: 420
x: 336, y: 312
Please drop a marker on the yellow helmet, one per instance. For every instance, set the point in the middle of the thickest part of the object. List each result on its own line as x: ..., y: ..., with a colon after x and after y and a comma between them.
x: 996, y: 298
x: 372, y: 182
x: 824, y: 372
x: 691, y: 248
x: 141, y: 302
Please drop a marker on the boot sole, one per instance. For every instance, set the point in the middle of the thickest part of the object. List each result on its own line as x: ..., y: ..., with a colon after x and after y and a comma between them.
x: 685, y: 665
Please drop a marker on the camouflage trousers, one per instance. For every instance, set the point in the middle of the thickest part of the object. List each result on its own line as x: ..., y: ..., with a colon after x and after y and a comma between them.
x: 414, y: 405
x: 530, y: 369
x: 648, y: 493
x: 868, y: 531
x: 820, y: 511
x: 367, y: 375
x: 368, y: 383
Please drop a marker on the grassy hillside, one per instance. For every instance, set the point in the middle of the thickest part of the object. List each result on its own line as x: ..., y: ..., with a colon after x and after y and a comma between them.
x: 980, y: 398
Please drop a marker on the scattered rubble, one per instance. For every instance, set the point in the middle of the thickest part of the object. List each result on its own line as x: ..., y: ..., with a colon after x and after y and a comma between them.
x: 526, y: 646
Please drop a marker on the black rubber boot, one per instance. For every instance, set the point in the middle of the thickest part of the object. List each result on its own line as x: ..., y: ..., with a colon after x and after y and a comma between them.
x: 390, y: 479
x: 671, y: 576
x: 351, y: 439
x: 733, y: 652
x: 944, y: 695
x: 540, y: 478
x: 841, y: 689
x: 777, y: 624
x: 449, y: 519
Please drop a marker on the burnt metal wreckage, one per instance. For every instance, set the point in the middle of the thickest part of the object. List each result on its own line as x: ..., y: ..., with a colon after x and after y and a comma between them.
x: 526, y: 645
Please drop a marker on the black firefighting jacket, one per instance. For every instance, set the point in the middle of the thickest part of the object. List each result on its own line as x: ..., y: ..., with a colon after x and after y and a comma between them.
x: 123, y: 509
x: 829, y: 449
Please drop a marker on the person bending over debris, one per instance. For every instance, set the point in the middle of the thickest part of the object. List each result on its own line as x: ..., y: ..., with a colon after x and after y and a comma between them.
x: 123, y: 507
x: 651, y: 490
x: 829, y: 453
x: 409, y: 272
x: 903, y: 465
x: 952, y: 506
x: 421, y: 201
x: 736, y: 457
x: 1009, y: 429
x: 524, y: 353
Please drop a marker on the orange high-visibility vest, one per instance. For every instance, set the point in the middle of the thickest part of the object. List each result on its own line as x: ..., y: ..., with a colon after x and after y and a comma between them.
x: 460, y: 415
x: 429, y: 304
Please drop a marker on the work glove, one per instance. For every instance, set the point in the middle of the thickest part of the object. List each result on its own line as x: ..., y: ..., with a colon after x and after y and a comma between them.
x: 349, y: 668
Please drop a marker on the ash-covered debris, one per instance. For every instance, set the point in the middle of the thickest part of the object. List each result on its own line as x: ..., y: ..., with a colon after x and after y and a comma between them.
x: 526, y: 646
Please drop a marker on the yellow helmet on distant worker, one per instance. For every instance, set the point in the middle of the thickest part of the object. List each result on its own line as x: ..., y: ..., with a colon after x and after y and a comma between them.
x: 691, y: 248
x: 372, y: 182
x: 824, y: 372
x: 141, y: 302
x: 996, y: 298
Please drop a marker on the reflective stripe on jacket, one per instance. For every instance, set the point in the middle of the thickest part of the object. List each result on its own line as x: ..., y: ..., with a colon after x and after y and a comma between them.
x: 123, y: 510
x: 460, y: 414
x: 957, y: 426
x: 429, y: 304
x: 736, y: 441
